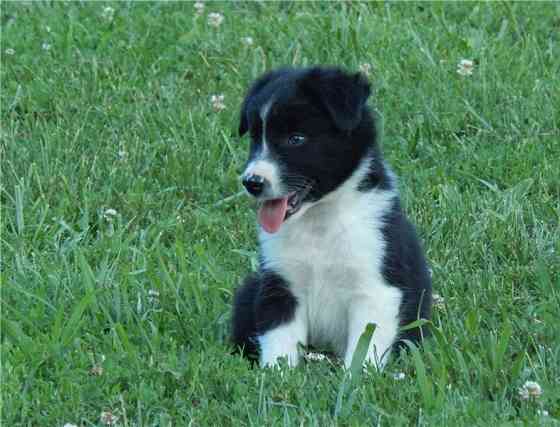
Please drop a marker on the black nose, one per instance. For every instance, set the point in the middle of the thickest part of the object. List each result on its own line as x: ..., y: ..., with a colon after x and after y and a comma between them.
x: 254, y: 184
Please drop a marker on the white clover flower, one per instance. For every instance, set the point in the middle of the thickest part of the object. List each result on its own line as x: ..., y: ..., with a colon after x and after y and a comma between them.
x: 247, y: 41
x: 217, y: 102
x: 465, y: 67
x: 537, y: 320
x: 122, y: 154
x: 366, y: 69
x: 199, y: 8
x: 96, y: 370
x: 46, y: 46
x: 314, y: 357
x: 109, y: 214
x: 108, y: 13
x: 530, y: 389
x: 47, y: 29
x: 543, y: 413
x: 438, y: 300
x: 10, y: 51
x: 108, y: 418
x: 69, y: 425
x: 399, y: 376
x: 153, y: 296
x: 215, y: 19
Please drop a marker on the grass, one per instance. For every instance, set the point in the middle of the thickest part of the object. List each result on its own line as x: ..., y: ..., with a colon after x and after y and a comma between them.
x: 121, y: 245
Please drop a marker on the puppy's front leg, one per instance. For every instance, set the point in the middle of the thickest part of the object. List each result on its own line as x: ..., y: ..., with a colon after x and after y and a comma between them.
x: 384, y: 314
x: 282, y: 342
x: 280, y: 323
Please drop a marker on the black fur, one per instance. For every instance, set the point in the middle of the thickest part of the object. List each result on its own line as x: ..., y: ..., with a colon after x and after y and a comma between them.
x: 250, y: 101
x: 330, y: 107
x: 343, y: 96
x: 405, y: 266
x: 263, y: 302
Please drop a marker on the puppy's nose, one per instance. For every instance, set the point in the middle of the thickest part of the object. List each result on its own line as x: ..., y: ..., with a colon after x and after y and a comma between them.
x: 254, y: 184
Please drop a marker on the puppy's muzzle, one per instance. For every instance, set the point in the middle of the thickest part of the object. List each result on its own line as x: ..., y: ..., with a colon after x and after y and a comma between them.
x: 255, y: 184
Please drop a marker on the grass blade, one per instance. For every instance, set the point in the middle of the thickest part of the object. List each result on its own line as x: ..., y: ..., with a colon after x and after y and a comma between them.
x: 360, y: 354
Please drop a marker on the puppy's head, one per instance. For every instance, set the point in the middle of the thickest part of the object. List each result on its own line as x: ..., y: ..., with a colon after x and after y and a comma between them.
x: 309, y: 129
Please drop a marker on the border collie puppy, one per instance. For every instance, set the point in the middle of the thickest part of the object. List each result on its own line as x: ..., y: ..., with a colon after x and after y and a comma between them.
x: 336, y: 250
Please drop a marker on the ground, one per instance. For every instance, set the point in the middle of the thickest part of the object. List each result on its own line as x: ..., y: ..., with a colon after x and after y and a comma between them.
x: 123, y: 233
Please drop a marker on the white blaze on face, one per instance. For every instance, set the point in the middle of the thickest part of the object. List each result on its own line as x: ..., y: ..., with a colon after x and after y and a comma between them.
x: 268, y: 170
x: 263, y: 165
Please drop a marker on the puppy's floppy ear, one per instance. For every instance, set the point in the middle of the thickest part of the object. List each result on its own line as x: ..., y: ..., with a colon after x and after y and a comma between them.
x: 253, y: 92
x: 342, y: 94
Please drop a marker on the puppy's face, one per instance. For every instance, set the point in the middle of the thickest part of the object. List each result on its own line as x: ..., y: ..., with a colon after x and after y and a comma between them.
x: 301, y: 124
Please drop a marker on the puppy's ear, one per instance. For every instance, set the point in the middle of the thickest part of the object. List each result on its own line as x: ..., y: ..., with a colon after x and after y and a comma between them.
x: 253, y: 92
x: 342, y: 94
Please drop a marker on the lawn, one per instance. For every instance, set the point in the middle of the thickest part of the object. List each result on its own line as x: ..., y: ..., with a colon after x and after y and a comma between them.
x: 124, y: 233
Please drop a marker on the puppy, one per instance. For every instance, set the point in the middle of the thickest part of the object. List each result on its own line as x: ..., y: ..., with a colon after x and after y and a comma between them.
x: 336, y: 250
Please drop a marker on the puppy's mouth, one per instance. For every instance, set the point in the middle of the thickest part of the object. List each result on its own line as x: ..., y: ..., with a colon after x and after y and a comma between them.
x: 273, y: 212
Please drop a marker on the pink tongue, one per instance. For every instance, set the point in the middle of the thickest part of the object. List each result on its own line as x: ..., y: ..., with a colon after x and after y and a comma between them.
x: 272, y: 213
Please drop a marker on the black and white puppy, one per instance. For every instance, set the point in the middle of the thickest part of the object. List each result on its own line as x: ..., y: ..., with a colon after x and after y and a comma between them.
x: 336, y: 250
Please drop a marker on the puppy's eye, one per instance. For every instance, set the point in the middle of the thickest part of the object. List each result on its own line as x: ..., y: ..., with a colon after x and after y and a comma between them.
x: 296, y: 139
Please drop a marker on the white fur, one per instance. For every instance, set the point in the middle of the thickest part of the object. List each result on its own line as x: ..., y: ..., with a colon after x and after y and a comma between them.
x: 268, y: 170
x: 263, y: 165
x: 266, y: 109
x: 331, y: 253
x: 283, y: 342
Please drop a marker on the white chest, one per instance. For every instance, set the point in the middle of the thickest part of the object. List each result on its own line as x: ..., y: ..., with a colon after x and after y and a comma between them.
x: 331, y: 256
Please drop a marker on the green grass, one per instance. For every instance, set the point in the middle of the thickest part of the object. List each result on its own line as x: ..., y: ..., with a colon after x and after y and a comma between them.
x: 117, y: 115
